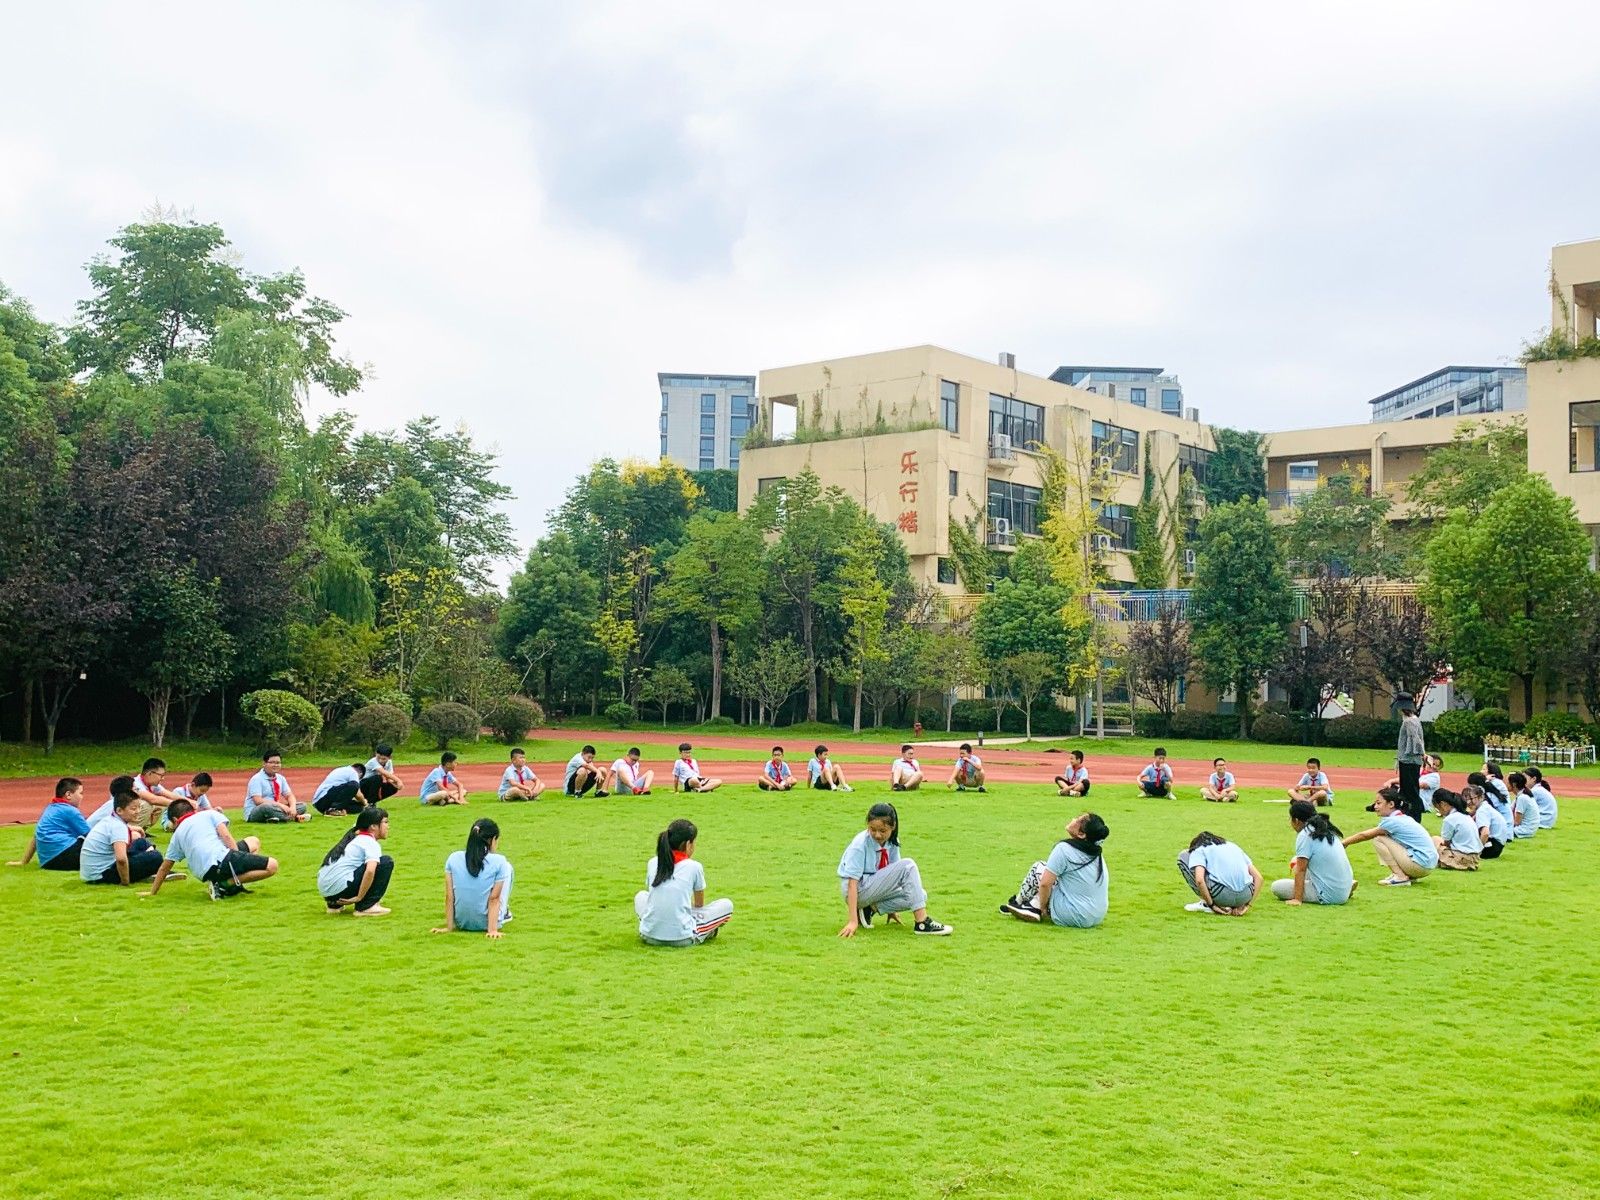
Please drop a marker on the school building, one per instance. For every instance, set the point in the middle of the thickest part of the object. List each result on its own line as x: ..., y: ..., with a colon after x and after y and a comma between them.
x: 924, y: 437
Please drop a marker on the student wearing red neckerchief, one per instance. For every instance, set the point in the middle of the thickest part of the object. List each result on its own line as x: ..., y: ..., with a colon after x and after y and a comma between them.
x: 686, y: 772
x: 519, y: 782
x: 268, y: 798
x: 441, y: 786
x: 672, y: 909
x: 875, y: 879
x: 355, y: 873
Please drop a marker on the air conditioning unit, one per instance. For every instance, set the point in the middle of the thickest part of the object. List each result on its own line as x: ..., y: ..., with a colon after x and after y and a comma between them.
x: 1188, y: 561
x: 1107, y: 463
x: 1000, y: 446
x: 1102, y: 543
x: 1000, y: 532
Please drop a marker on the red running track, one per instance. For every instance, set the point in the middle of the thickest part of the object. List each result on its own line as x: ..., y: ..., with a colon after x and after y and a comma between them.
x: 21, y: 799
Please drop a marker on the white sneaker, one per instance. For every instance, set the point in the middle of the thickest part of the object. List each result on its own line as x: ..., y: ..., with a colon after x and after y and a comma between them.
x: 1197, y: 906
x: 845, y: 787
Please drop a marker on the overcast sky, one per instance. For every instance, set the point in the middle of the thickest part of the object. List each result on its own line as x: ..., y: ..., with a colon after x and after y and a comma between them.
x: 530, y: 209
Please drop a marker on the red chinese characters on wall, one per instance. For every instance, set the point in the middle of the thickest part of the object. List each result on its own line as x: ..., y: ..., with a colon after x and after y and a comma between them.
x: 907, y: 521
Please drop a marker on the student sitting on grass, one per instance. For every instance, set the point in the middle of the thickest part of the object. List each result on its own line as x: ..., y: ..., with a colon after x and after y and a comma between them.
x: 1076, y: 781
x: 441, y: 786
x: 1428, y: 781
x: 1524, y: 810
x: 1497, y: 801
x: 1221, y: 874
x: 340, y: 791
x: 477, y: 883
x: 58, y: 834
x: 686, y: 774
x: 1495, y: 781
x: 1494, y: 831
x: 1401, y: 843
x: 380, y: 767
x: 968, y: 771
x: 672, y: 909
x: 626, y: 777
x: 356, y: 872
x: 1320, y: 868
x: 1313, y: 786
x: 268, y: 798
x: 1539, y: 789
x: 825, y: 774
x: 905, y: 773
x: 204, y: 841
x: 152, y: 794
x: 1219, y: 785
x: 518, y: 782
x: 874, y: 879
x: 1073, y: 884
x: 1458, y: 844
x: 584, y: 773
x: 197, y: 792
x: 1156, y: 779
x: 122, y: 783
x: 116, y: 850
x: 775, y: 773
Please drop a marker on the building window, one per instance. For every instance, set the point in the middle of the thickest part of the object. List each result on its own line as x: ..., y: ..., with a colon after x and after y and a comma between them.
x: 663, y: 445
x: 955, y: 483
x: 708, y: 422
x: 1116, y: 521
x: 663, y: 403
x: 707, y: 464
x: 1585, y: 440
x: 733, y: 457
x: 950, y: 405
x: 708, y: 447
x: 663, y: 423
x: 741, y: 404
x: 1111, y: 390
x: 1136, y: 395
x: 1014, y: 502
x: 708, y: 402
x: 1303, y: 472
x: 1172, y: 401
x: 1195, y: 461
x: 1023, y: 423
x: 767, y: 483
x: 1120, y: 445
x: 738, y: 423
x: 947, y: 571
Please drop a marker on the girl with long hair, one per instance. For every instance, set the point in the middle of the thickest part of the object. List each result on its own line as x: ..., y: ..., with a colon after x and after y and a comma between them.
x: 874, y: 879
x: 477, y: 883
x: 1320, y: 869
x: 1072, y: 885
x: 356, y: 873
x: 672, y: 909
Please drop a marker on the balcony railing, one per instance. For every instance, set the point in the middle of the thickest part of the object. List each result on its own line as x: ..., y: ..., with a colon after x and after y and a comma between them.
x: 1146, y: 605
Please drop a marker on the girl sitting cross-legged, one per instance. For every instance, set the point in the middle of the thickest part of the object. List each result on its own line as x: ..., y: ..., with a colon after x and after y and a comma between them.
x: 1072, y: 885
x: 672, y: 909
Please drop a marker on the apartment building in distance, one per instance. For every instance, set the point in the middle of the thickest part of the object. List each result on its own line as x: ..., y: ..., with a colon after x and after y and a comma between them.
x: 1143, y: 387
x: 704, y: 419
x: 1455, y: 391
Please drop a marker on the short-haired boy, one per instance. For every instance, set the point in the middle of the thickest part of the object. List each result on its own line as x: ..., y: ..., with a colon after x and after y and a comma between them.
x: 775, y: 773
x: 519, y: 782
x: 628, y: 779
x: 1313, y: 786
x: 1156, y: 779
x: 905, y: 773
x: 686, y: 774
x: 1076, y: 780
x: 584, y: 773
x: 203, y: 839
x: 116, y: 850
x: 59, y: 832
x: 968, y: 771
x: 441, y: 786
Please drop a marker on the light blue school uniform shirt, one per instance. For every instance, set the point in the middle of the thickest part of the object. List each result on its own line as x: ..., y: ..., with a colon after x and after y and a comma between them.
x: 1226, y: 865
x: 685, y: 769
x: 1525, y: 808
x: 259, y: 790
x: 1220, y: 784
x: 472, y: 891
x: 814, y: 769
x: 1083, y: 887
x: 334, y: 877
x: 431, y: 784
x: 1155, y: 774
x: 59, y: 825
x: 196, y: 840
x: 185, y: 793
x: 1327, y: 867
x: 1319, y: 780
x: 779, y: 773
x: 1546, y: 800
x: 99, y: 854
x: 1489, y: 817
x: 1500, y: 802
x: 573, y: 764
x: 335, y: 778
x: 375, y: 764
x: 1427, y: 784
x: 860, y: 857
x: 669, y: 909
x: 513, y: 778
x: 1413, y: 839
x: 101, y: 813
x: 1460, y: 834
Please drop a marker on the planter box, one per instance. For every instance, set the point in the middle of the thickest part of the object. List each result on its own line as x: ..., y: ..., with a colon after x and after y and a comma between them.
x: 1539, y: 756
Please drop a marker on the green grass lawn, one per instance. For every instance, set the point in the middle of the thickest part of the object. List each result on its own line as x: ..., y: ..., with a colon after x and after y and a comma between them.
x: 1436, y: 1041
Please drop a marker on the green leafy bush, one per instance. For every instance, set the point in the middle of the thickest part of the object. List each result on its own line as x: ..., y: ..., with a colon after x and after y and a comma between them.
x: 282, y: 720
x: 1152, y: 724
x: 1495, y: 720
x: 376, y: 723
x: 969, y: 715
x: 511, y: 718
x: 1203, y: 726
x: 1274, y: 727
x: 1358, y: 732
x: 720, y: 723
x: 619, y: 715
x: 1556, y: 726
x: 448, y: 722
x: 1459, y: 729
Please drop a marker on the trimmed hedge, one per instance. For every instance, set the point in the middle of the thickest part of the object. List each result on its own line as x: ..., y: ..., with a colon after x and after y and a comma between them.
x: 449, y: 722
x: 619, y: 715
x: 1274, y: 727
x: 1495, y: 720
x: 1152, y: 724
x: 377, y: 723
x: 1204, y: 726
x: 283, y: 720
x: 1459, y: 729
x: 511, y: 718
x: 1566, y: 726
x: 968, y: 715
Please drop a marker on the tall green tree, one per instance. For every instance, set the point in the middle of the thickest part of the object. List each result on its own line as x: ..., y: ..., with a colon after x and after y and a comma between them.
x: 1149, y: 559
x: 1024, y: 613
x: 1241, y: 603
x: 864, y: 601
x: 175, y: 643
x: 546, y: 624
x: 1500, y: 624
x: 715, y: 579
x: 1342, y: 530
x: 1237, y: 469
x: 1467, y: 472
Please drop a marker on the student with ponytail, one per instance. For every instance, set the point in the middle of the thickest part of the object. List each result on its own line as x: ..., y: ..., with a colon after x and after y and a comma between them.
x: 875, y: 879
x: 477, y: 883
x: 672, y: 909
x: 1320, y: 867
x: 1524, y: 811
x: 356, y: 872
x: 1494, y: 831
x: 1072, y: 885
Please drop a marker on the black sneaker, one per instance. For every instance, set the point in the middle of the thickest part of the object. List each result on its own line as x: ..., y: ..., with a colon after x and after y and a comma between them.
x: 981, y: 788
x: 1024, y: 912
x: 865, y: 916
x: 897, y: 787
x: 215, y: 891
x: 932, y: 928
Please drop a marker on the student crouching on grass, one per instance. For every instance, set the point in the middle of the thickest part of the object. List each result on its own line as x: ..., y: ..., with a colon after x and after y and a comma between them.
x: 584, y: 773
x: 356, y: 872
x: 825, y: 774
x: 340, y: 791
x: 1072, y: 885
x: 1076, y: 781
x: 672, y: 909
x: 204, y: 841
x: 1219, y: 785
x: 686, y: 773
x: 1458, y: 844
x: 518, y: 782
x: 116, y: 850
x: 477, y: 884
x: 626, y: 777
x: 1494, y: 831
x: 381, y: 768
x: 1401, y: 843
x: 874, y: 879
x: 1221, y: 874
x: 1320, y: 869
x: 968, y: 771
x: 1156, y: 779
x: 1313, y: 786
x: 775, y: 773
x: 197, y: 792
x: 59, y: 832
x: 441, y: 786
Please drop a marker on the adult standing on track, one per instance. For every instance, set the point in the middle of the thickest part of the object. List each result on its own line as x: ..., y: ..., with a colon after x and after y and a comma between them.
x: 1409, y: 753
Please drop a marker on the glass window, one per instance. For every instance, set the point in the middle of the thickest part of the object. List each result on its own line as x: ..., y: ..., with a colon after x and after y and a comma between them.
x: 733, y: 457
x: 1111, y: 390
x: 663, y: 422
x: 739, y: 403
x: 1015, y: 502
x: 1172, y: 401
x: 708, y: 446
x: 738, y: 424
x: 663, y: 402
x: 1120, y: 445
x: 1585, y: 424
x: 663, y: 445
x: 1195, y: 461
x: 1116, y: 521
x: 1303, y: 472
x: 947, y: 571
x: 950, y: 405
x: 708, y: 402
x: 1137, y: 396
x: 708, y: 422
x: 767, y: 483
x: 955, y: 483
x: 1023, y: 423
x: 707, y: 464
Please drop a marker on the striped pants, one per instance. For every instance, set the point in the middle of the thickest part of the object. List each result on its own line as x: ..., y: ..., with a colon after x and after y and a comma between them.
x: 707, y: 920
x: 896, y: 888
x: 1222, y: 896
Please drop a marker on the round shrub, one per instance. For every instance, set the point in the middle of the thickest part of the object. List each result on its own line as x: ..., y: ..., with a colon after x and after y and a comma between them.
x: 1458, y: 729
x: 511, y: 718
x: 1494, y: 720
x: 282, y: 720
x: 1274, y: 727
x: 619, y: 714
x: 448, y: 722
x: 1556, y: 726
x: 1152, y: 724
x: 394, y: 698
x: 720, y: 723
x: 377, y: 723
x: 1190, y: 723
x: 1360, y: 732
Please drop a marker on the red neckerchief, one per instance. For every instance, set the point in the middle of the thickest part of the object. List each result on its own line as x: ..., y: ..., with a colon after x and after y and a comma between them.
x: 183, y: 818
x: 364, y: 833
x: 678, y: 856
x: 60, y: 800
x: 522, y: 775
x: 883, y: 857
x: 274, y: 781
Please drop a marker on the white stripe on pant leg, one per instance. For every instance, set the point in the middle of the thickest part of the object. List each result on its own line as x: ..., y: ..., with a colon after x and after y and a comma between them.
x: 896, y: 888
x: 711, y: 918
